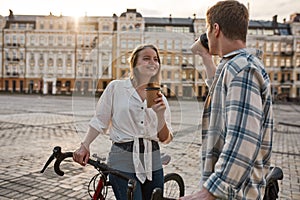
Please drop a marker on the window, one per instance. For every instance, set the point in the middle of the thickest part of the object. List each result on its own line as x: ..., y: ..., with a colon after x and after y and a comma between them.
x: 298, y: 62
x: 275, y: 62
x: 275, y: 76
x: 60, y: 40
x: 50, y: 62
x: 51, y: 40
x: 22, y: 40
x: 32, y: 40
x: 123, y: 59
x: 169, y: 74
x: 60, y: 26
x: 169, y: 44
x: 176, y: 60
x: 69, y: 61
x: 282, y: 62
x: 169, y: 60
x: 15, y: 40
x: 59, y: 63
x: 22, y: 26
x: 276, y: 46
x: 123, y: 44
x: 298, y: 47
x: 130, y: 44
x: 41, y: 60
x: 69, y: 40
x: 181, y: 29
x: 31, y: 61
x: 42, y: 40
x: 288, y: 62
x: 7, y: 40
x: 105, y: 28
x: 269, y: 47
x: 177, y: 44
x: 161, y: 44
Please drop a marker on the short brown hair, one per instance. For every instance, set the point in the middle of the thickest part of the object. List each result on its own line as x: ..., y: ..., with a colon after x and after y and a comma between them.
x: 232, y: 18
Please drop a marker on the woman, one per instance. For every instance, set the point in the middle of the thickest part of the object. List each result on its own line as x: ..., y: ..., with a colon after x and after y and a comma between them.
x: 134, y: 129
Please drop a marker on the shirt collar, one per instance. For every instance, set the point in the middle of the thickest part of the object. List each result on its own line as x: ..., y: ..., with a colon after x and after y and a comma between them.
x: 256, y: 52
x: 128, y: 84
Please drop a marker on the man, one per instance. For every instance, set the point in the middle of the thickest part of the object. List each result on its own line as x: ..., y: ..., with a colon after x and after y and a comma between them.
x: 237, y: 122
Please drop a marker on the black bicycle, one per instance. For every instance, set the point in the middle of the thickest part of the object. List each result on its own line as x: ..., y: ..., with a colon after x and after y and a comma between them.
x: 271, y: 191
x: 99, y: 184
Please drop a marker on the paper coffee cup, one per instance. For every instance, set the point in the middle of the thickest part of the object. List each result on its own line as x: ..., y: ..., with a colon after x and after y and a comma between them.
x: 152, y: 93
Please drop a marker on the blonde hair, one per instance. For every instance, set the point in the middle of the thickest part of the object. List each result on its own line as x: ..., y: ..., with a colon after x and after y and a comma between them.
x: 133, y: 60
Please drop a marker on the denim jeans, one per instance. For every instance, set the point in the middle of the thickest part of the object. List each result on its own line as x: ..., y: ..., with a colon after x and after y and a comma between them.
x: 142, y: 191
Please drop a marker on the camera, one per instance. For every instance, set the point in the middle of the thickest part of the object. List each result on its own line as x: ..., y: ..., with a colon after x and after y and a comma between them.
x: 204, y: 40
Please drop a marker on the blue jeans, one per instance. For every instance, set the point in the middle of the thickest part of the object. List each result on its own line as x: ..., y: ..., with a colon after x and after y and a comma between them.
x: 142, y: 191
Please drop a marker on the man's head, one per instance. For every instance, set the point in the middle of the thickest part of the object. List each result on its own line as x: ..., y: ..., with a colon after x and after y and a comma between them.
x: 232, y: 18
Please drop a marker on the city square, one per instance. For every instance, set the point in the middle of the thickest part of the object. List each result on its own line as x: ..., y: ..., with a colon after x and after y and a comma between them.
x: 31, y: 125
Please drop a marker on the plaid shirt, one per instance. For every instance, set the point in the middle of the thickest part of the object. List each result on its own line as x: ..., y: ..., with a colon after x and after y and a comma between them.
x: 237, y: 128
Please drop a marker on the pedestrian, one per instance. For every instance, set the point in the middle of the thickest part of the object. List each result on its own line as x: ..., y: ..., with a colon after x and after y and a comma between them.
x: 134, y: 129
x: 237, y: 121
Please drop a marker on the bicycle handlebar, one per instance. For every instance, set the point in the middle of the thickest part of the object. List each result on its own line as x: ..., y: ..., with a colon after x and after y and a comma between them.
x: 60, y: 156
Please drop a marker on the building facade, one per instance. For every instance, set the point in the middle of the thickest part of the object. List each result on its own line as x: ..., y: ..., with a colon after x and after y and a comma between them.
x: 64, y: 55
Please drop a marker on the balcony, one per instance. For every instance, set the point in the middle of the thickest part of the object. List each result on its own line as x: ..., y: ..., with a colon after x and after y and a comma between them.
x: 13, y: 45
x: 287, y: 82
x: 287, y: 53
x: 13, y: 74
x: 286, y: 69
x: 187, y: 66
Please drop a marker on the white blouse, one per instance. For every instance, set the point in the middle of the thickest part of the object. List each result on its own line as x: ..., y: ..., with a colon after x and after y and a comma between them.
x: 121, y: 112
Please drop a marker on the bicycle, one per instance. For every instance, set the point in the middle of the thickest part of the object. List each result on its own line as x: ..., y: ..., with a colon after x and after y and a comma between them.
x: 271, y: 191
x: 99, y: 184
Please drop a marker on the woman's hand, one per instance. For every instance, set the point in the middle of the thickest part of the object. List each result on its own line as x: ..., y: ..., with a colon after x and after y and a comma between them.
x: 81, y: 155
x: 159, y: 107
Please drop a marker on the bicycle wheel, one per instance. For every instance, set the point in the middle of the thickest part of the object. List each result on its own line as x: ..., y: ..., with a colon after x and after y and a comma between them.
x: 173, y: 186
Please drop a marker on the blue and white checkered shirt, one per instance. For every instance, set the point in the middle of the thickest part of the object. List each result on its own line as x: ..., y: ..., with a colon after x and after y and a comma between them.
x: 237, y: 128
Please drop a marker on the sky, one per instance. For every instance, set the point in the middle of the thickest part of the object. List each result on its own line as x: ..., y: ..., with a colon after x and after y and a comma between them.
x: 259, y: 9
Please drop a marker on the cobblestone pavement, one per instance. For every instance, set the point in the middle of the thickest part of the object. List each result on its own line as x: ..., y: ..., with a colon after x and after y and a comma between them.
x: 30, y: 126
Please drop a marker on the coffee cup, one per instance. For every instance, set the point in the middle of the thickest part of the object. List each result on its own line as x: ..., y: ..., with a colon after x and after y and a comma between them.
x: 151, y: 94
x: 196, y: 46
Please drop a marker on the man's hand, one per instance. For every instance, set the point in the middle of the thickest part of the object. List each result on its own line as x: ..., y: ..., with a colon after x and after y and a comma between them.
x: 201, y: 195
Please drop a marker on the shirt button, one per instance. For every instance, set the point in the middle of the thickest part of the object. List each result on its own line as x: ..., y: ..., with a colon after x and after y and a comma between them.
x: 142, y: 122
x: 142, y: 108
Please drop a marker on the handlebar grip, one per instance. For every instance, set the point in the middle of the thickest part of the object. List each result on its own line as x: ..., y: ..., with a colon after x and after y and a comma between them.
x: 275, y: 174
x: 59, y: 159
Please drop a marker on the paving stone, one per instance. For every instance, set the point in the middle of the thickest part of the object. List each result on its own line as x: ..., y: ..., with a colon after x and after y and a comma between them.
x: 30, y: 126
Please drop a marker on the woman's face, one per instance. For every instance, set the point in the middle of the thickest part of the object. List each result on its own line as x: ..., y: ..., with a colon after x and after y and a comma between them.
x: 147, y: 63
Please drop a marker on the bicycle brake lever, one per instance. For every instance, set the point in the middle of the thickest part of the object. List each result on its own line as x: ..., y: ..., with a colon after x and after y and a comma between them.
x: 56, y: 152
x: 47, y: 163
x: 98, y: 158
